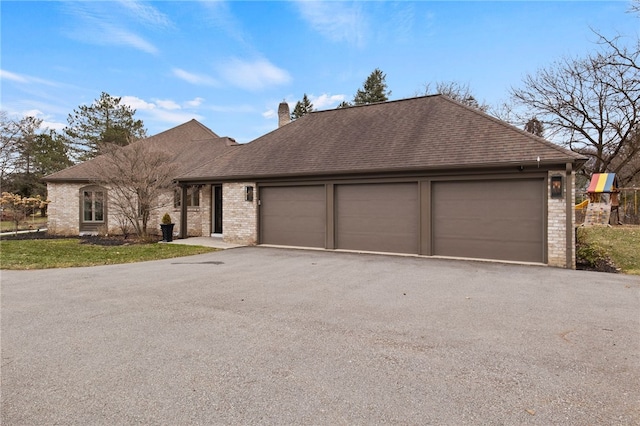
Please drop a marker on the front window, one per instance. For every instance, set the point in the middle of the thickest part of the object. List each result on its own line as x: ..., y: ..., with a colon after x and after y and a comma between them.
x: 93, y: 206
x: 193, y: 197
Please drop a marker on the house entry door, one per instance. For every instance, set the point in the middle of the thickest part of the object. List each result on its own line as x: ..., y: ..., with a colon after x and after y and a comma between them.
x: 216, y: 209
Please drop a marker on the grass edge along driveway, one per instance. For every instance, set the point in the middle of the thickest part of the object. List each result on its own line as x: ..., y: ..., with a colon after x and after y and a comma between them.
x: 72, y: 252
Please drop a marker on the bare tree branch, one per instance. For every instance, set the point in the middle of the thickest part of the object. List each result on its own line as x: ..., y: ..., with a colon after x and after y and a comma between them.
x: 136, y: 177
x: 592, y: 105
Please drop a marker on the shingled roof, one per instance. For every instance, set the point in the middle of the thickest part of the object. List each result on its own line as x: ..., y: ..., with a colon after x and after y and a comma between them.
x: 189, y: 144
x: 423, y: 133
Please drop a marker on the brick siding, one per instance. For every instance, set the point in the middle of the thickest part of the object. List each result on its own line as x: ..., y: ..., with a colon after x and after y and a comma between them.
x: 557, y: 223
x: 240, y: 217
x: 64, y: 212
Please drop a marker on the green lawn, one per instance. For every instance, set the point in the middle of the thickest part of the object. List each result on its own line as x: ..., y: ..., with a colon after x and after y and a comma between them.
x: 619, y: 244
x: 64, y: 253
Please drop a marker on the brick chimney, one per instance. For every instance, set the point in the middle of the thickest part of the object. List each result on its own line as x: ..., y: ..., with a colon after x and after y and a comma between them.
x: 284, y: 117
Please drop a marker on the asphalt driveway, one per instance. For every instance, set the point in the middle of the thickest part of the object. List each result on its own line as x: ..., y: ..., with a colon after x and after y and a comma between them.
x: 272, y: 336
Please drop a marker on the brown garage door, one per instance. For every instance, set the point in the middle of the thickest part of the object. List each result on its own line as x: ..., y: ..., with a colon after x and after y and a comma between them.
x: 492, y: 219
x: 293, y: 216
x: 377, y: 217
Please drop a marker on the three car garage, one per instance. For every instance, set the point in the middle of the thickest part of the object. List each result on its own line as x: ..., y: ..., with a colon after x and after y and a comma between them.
x: 500, y: 219
x: 426, y: 176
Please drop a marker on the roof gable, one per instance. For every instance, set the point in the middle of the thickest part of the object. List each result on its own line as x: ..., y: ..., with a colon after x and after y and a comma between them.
x: 431, y: 132
x: 190, y: 144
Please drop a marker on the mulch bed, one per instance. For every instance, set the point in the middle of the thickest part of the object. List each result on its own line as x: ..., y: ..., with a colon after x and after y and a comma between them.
x: 98, y: 240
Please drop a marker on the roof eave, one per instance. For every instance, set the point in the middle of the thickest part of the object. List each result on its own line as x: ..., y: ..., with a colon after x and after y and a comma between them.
x: 577, y: 162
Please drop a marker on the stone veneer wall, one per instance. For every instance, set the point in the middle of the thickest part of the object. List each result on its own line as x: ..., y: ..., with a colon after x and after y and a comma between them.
x: 239, y: 217
x: 557, y: 223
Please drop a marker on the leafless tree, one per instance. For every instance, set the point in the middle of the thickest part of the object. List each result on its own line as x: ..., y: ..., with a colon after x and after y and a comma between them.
x: 9, y: 135
x: 136, y: 177
x: 456, y: 91
x: 591, y: 105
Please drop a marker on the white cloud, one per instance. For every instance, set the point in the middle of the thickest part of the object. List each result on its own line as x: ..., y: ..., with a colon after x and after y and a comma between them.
x: 194, y: 103
x: 112, y: 34
x: 336, y: 21
x: 26, y: 79
x: 160, y: 104
x: 173, y: 117
x: 137, y: 103
x: 33, y: 113
x: 167, y: 104
x: 165, y: 112
x: 325, y: 101
x: 218, y: 14
x: 146, y: 13
x: 197, y: 79
x: 6, y: 75
x: 102, y: 24
x: 254, y: 75
x: 269, y: 114
x: 53, y: 125
x: 46, y: 119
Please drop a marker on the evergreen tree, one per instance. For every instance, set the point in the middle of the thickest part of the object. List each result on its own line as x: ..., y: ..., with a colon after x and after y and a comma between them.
x: 534, y: 126
x: 373, y: 90
x: 105, y: 122
x: 302, y: 108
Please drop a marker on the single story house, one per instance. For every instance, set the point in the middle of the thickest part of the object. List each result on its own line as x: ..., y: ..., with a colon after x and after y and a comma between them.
x: 80, y: 205
x: 425, y: 176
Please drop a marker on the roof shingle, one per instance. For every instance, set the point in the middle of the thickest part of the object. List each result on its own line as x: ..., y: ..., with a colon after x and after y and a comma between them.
x: 189, y: 144
x: 431, y: 132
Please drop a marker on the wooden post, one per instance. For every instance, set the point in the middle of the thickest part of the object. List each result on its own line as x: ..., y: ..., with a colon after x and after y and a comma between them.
x: 183, y: 211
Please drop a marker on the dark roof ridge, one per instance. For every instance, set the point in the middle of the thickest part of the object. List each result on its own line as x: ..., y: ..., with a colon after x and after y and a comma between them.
x: 503, y: 123
x: 192, y: 121
x: 227, y: 139
x: 373, y: 103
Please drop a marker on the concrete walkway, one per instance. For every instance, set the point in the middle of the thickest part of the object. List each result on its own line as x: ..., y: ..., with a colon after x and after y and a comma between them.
x: 206, y: 242
x: 26, y: 231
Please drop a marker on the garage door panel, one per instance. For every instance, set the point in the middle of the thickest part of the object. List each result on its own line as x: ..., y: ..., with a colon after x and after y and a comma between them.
x: 293, y: 216
x: 493, y: 219
x: 377, y: 217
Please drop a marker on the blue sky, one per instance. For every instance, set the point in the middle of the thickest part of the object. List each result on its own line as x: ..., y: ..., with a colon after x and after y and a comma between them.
x: 229, y: 63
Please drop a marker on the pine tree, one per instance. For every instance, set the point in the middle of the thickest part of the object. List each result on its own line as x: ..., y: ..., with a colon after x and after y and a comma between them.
x: 302, y: 108
x: 373, y: 90
x: 106, y: 121
x: 534, y: 126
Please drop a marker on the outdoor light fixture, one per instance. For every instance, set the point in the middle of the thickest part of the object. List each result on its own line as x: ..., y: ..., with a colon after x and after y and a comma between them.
x: 248, y: 193
x: 556, y: 186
